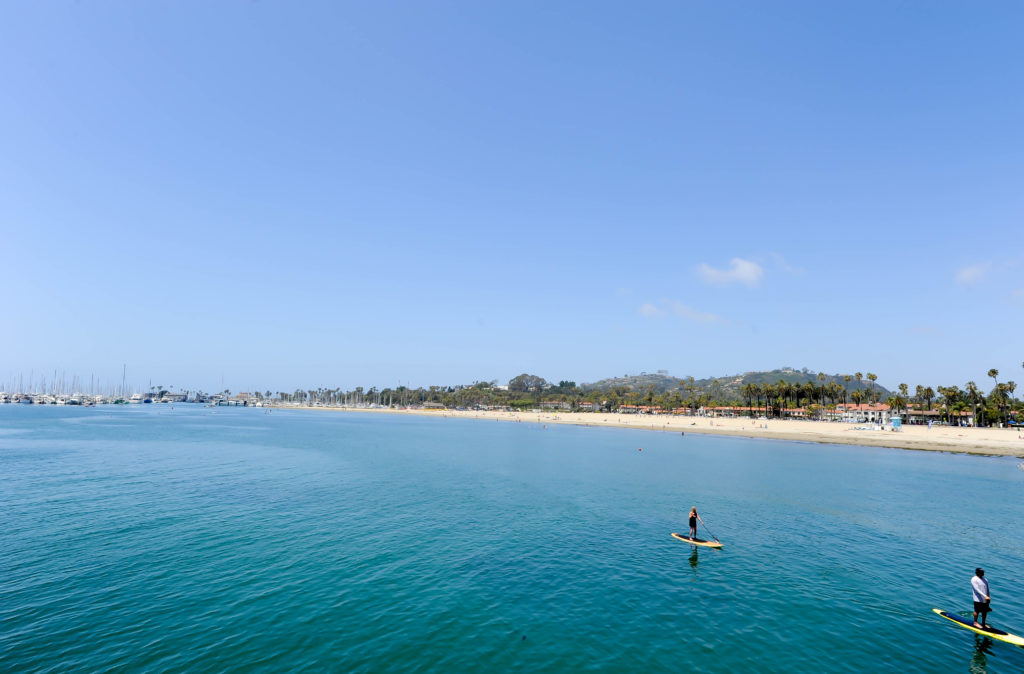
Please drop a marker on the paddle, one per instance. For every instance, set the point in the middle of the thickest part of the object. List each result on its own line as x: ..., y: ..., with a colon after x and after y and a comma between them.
x: 706, y: 528
x: 709, y: 531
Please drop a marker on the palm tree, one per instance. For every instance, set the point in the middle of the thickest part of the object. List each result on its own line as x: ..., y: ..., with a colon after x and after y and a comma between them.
x: 951, y: 396
x: 834, y: 390
x: 1010, y: 388
x: 896, y: 402
x: 778, y: 398
x: 808, y: 392
x: 753, y: 394
x: 994, y: 374
x: 755, y: 400
x: 856, y: 397
x: 972, y: 396
x: 873, y: 378
x: 1001, y: 396
x: 784, y: 389
x: 767, y: 390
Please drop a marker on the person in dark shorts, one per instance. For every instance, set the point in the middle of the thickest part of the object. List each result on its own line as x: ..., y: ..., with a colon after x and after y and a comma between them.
x: 981, y: 599
x: 693, y: 522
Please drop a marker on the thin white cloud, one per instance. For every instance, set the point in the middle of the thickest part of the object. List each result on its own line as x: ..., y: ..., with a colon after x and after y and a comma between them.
x: 782, y: 264
x: 680, y: 309
x: 971, y: 274
x: 652, y: 310
x: 739, y: 271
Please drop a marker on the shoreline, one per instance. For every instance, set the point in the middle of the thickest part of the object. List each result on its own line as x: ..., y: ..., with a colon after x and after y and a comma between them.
x: 1002, y: 442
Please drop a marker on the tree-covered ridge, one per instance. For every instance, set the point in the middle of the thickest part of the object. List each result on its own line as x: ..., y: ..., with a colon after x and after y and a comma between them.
x: 732, y: 386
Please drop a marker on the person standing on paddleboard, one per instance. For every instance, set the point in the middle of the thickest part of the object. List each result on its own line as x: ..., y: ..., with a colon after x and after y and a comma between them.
x: 693, y: 522
x: 981, y: 599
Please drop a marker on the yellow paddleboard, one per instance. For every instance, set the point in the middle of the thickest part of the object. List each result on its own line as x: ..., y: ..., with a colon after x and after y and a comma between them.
x: 989, y: 632
x: 696, y: 541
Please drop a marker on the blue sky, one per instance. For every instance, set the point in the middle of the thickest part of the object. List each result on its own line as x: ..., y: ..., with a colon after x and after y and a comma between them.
x: 277, y: 195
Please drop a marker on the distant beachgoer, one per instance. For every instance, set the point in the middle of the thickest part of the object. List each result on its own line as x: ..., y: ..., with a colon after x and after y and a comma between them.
x: 693, y: 522
x: 981, y: 598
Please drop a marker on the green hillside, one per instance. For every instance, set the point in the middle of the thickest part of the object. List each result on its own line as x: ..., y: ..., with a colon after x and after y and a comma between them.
x: 728, y: 386
x: 660, y: 382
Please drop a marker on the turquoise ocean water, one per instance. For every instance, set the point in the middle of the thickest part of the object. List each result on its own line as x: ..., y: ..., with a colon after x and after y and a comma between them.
x: 150, y: 539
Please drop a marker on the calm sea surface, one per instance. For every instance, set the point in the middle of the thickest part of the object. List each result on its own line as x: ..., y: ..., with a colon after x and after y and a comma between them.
x: 149, y: 539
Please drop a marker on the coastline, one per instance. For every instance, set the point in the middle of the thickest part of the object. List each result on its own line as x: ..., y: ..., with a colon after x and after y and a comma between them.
x: 1002, y: 442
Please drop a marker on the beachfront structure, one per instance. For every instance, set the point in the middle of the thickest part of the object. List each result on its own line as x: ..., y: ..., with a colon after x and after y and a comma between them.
x: 938, y: 416
x: 876, y: 413
x: 640, y: 409
x: 736, y: 411
x: 863, y: 413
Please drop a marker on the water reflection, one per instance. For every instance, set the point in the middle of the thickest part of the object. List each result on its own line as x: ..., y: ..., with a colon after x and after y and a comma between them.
x: 694, y: 559
x: 979, y: 659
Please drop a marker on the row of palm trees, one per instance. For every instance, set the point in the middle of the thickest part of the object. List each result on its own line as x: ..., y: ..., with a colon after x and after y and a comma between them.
x: 997, y: 406
x: 814, y: 397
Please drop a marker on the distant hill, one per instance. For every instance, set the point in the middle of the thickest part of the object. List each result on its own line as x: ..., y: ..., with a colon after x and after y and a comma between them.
x: 660, y: 382
x: 730, y: 386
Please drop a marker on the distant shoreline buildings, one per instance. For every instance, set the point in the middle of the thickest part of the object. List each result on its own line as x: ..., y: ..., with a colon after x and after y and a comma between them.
x: 779, y: 394
x: 870, y: 413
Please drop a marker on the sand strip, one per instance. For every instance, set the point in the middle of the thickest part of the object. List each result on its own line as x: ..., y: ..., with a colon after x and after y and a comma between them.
x: 984, y: 441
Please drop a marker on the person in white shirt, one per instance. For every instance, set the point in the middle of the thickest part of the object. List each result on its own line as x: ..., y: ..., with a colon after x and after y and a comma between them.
x: 981, y: 598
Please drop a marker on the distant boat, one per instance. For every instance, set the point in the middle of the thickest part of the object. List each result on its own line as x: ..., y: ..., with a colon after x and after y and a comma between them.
x: 147, y: 400
x: 135, y: 399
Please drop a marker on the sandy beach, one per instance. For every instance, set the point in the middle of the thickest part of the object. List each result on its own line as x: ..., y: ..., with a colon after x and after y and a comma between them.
x: 984, y: 441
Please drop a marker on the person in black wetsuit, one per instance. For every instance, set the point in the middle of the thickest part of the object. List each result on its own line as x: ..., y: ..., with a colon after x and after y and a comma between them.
x: 693, y: 522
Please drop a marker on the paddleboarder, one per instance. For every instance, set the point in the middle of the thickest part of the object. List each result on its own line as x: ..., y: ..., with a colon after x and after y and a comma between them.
x: 981, y: 598
x: 693, y: 522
